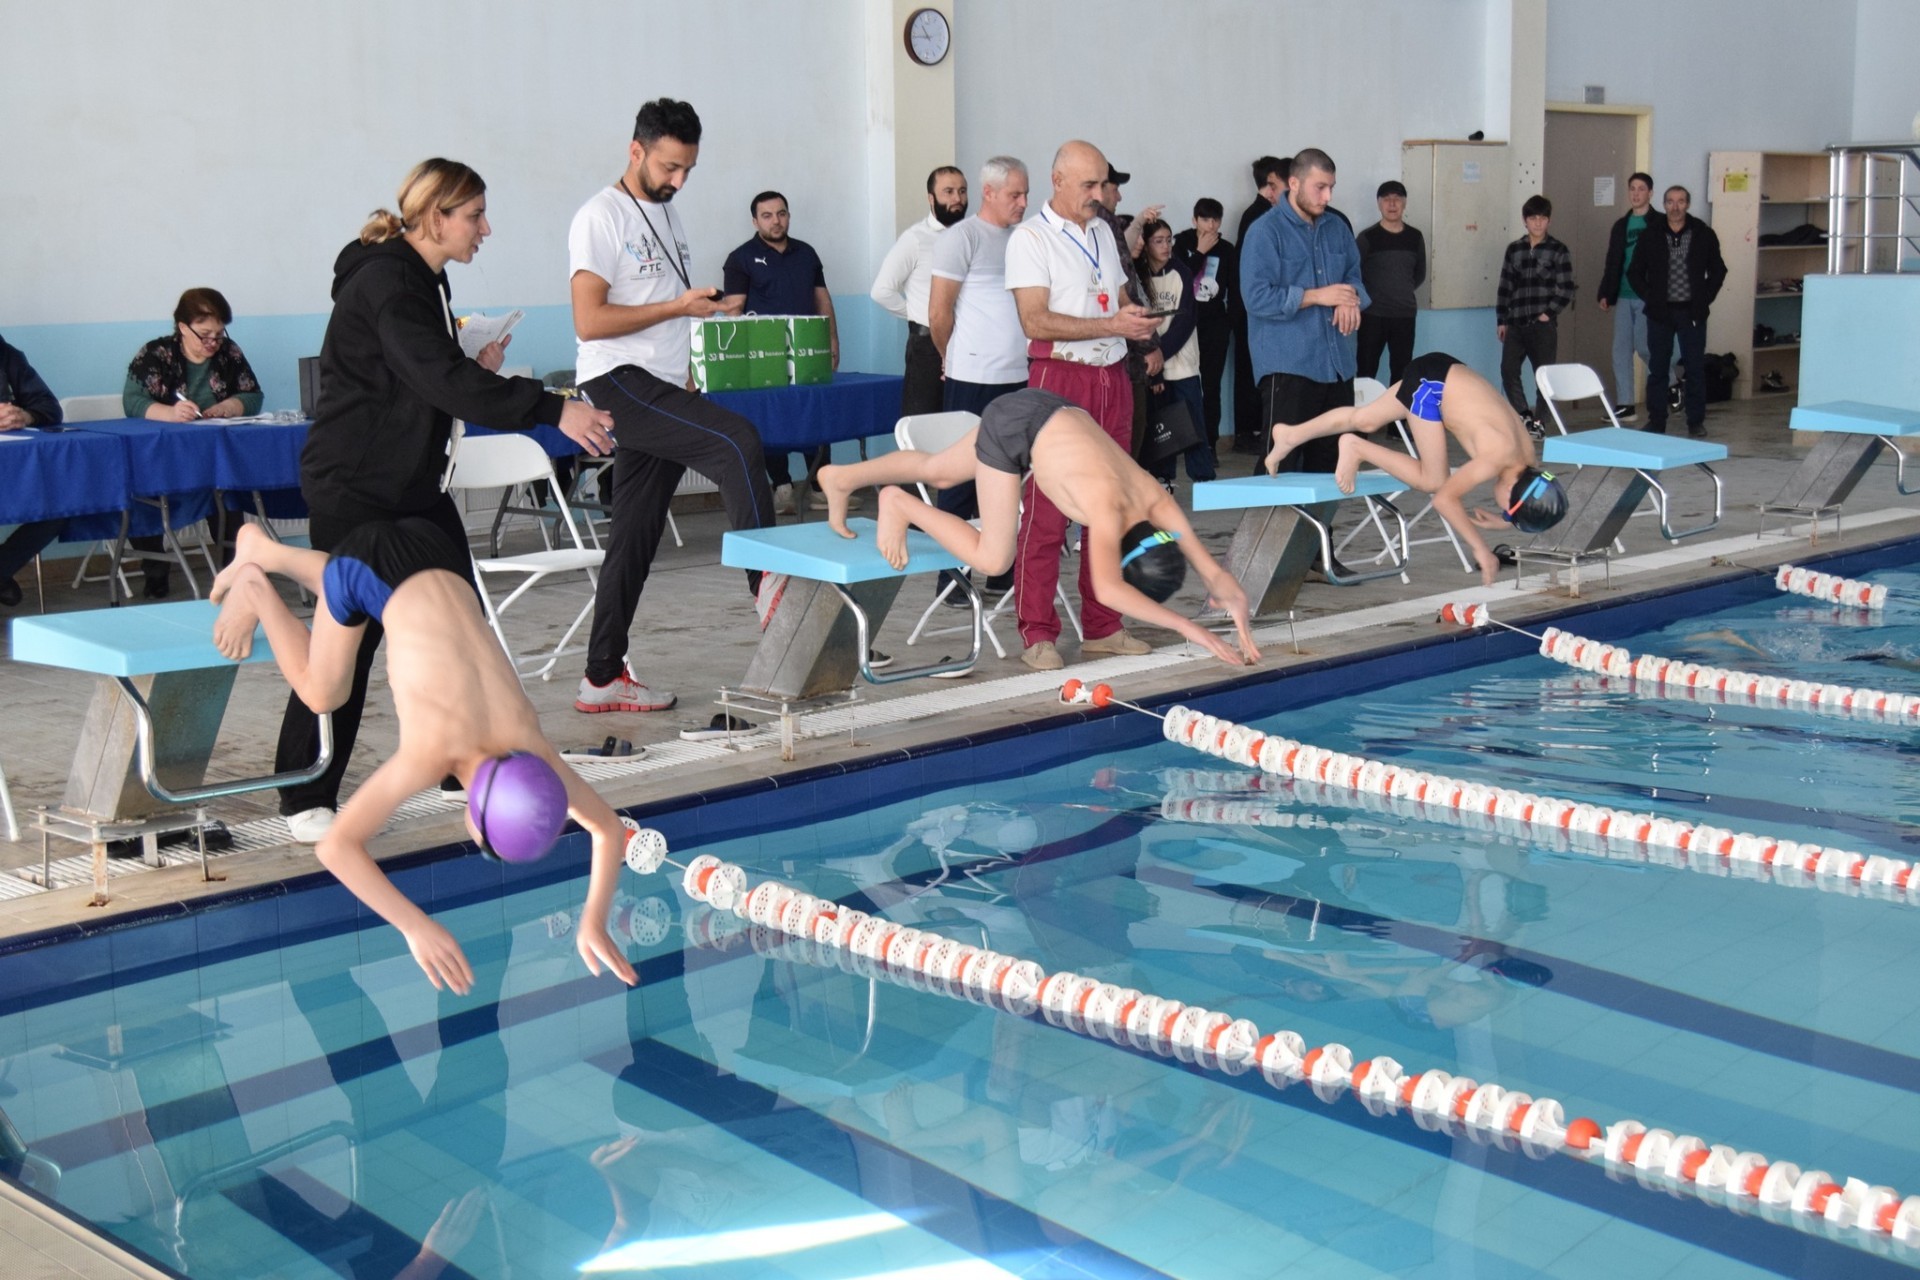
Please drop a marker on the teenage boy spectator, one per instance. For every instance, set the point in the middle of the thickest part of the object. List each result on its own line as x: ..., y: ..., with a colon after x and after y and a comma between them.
x: 1270, y: 188
x: 25, y: 401
x: 634, y: 304
x: 1300, y: 283
x: 1617, y: 294
x: 1678, y: 272
x: 1536, y: 285
x: 775, y: 275
x: 902, y: 285
x: 1393, y: 264
x: 1215, y: 264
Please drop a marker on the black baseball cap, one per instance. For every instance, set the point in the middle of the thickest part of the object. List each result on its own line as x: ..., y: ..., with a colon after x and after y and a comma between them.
x: 1391, y: 188
x: 1118, y: 177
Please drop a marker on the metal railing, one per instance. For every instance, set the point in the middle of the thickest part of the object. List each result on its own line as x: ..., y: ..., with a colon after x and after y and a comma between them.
x: 1873, y: 208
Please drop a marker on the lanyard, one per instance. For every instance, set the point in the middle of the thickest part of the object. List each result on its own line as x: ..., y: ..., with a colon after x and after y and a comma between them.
x: 1092, y: 256
x: 674, y: 260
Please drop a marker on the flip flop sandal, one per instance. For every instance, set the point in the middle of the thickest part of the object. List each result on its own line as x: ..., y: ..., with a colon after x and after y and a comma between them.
x: 721, y: 726
x: 611, y: 749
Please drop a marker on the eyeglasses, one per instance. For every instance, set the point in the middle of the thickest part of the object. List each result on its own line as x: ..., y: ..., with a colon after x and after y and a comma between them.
x: 1534, y: 490
x: 213, y: 339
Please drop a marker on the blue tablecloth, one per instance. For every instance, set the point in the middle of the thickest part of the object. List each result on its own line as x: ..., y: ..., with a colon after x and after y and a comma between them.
x: 47, y: 475
x: 259, y: 455
x: 851, y: 407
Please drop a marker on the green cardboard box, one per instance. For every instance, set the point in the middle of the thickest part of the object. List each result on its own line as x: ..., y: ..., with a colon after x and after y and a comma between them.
x: 766, y: 351
x: 811, y: 361
x: 720, y: 359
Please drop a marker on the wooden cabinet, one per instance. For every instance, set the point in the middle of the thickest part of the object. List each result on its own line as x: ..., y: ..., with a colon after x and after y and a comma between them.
x: 1457, y: 194
x: 1756, y: 194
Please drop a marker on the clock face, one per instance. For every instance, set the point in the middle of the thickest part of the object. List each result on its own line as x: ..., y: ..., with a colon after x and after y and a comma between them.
x: 928, y: 37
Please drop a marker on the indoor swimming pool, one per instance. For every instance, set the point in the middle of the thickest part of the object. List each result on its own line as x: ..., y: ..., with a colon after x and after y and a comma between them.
x: 268, y: 1086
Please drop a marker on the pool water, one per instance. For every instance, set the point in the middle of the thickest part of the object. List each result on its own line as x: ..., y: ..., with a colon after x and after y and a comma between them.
x: 755, y: 1109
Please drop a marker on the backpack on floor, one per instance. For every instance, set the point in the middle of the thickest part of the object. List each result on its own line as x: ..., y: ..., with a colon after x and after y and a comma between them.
x: 1723, y: 370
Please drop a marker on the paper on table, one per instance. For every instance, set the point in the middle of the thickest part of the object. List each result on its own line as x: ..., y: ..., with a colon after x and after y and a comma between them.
x: 477, y: 331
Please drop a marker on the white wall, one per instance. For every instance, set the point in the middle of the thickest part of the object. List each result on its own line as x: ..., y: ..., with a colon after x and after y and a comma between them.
x: 240, y: 144
x: 1886, y: 88
x: 1184, y: 97
x: 1720, y: 75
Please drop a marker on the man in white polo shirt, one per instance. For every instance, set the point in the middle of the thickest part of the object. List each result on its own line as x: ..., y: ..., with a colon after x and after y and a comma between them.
x: 633, y: 307
x: 902, y: 283
x: 1069, y: 286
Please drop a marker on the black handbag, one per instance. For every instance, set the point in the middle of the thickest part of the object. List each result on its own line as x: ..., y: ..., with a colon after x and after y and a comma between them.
x: 1170, y: 431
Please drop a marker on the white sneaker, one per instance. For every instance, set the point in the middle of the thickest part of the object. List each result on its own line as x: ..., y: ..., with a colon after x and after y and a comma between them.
x: 783, y: 504
x: 308, y: 825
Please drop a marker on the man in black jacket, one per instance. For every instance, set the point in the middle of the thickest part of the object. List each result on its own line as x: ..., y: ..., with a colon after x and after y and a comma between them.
x: 1249, y: 433
x: 1215, y: 264
x: 1677, y: 271
x: 25, y: 401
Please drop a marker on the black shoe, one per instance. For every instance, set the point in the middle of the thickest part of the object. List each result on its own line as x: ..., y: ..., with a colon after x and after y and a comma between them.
x: 1697, y: 430
x: 1676, y: 398
x: 219, y: 839
x: 1624, y: 411
x: 878, y: 661
x: 1000, y: 583
x: 1505, y: 554
x: 10, y: 593
x: 157, y: 588
x: 1657, y: 428
x: 1534, y: 428
x: 720, y: 726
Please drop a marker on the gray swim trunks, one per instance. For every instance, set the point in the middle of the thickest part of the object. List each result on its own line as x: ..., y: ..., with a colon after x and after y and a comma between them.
x: 1009, y: 426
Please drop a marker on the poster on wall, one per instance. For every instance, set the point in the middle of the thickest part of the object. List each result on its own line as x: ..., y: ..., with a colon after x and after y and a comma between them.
x: 1603, y: 192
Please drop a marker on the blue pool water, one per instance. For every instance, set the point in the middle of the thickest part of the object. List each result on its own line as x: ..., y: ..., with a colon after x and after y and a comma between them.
x: 271, y: 1088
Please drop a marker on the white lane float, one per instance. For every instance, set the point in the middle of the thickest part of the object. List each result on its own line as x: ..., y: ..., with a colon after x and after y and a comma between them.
x: 1830, y: 587
x: 1482, y: 1111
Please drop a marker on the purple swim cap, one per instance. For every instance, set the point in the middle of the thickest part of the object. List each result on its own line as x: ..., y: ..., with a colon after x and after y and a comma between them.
x: 518, y: 804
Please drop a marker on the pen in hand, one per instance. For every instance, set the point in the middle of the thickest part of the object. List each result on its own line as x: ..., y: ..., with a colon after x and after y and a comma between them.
x: 180, y: 397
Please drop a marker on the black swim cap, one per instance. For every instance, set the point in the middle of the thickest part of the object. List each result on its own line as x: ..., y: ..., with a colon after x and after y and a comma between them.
x: 1536, y: 502
x: 1151, y: 563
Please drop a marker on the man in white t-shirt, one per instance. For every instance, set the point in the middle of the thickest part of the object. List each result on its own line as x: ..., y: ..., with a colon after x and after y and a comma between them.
x: 633, y: 306
x: 1068, y: 281
x: 901, y: 286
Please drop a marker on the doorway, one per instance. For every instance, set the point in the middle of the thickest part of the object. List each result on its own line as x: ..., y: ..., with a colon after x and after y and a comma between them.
x: 1589, y: 153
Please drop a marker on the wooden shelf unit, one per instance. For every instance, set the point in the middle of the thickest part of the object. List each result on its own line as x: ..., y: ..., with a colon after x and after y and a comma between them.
x: 1751, y: 194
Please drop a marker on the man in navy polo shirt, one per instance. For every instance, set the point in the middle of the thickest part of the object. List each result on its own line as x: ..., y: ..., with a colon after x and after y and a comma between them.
x: 776, y: 275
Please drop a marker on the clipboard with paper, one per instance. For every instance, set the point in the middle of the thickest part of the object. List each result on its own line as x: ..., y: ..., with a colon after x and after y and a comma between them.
x: 478, y: 331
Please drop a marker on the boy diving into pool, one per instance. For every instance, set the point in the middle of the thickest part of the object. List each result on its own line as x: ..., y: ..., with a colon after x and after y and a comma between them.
x: 1438, y: 394
x: 1138, y: 539
x: 458, y: 700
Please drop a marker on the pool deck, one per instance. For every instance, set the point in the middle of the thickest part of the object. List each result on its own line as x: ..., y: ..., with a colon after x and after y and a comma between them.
x: 696, y: 631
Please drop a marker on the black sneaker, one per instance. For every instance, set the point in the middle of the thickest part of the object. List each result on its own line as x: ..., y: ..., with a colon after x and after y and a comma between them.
x: 878, y: 661
x: 158, y: 587
x: 1676, y: 398
x: 1534, y: 428
x: 1625, y: 411
x: 1697, y: 431
x: 1505, y: 554
x: 10, y: 593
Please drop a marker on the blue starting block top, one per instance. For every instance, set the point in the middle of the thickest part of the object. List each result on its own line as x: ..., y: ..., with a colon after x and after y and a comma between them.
x: 140, y: 641
x: 1288, y: 489
x: 1621, y: 447
x: 1857, y: 418
x: 814, y: 551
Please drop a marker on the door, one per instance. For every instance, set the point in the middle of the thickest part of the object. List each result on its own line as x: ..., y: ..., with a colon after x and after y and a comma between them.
x: 1588, y: 158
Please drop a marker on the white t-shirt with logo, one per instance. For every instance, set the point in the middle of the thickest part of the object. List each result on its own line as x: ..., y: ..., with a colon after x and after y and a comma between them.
x: 612, y: 238
x: 1081, y: 270
x: 987, y: 344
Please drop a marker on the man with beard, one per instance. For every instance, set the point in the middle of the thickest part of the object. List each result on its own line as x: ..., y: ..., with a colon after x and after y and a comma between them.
x: 633, y: 307
x: 902, y: 286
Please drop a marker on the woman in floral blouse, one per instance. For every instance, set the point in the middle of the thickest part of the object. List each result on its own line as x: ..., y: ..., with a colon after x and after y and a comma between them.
x: 194, y: 372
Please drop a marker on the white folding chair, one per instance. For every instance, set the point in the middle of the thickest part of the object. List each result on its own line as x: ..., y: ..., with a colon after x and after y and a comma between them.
x: 103, y: 408
x: 1566, y: 383
x: 502, y: 462
x: 930, y: 433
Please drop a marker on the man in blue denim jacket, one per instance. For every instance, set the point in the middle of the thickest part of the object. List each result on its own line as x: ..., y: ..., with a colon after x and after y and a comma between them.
x: 1300, y: 284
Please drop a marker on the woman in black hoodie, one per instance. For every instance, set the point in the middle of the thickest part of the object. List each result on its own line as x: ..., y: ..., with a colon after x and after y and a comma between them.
x: 392, y: 379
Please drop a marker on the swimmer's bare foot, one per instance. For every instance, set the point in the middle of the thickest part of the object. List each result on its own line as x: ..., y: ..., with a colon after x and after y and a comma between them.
x: 892, y: 534
x: 233, y: 629
x: 1348, y: 468
x: 246, y: 551
x: 1283, y: 444
x: 833, y: 482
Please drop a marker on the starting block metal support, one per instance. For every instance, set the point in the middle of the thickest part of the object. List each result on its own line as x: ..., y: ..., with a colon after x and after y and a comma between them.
x: 1618, y: 468
x: 1285, y: 525
x: 157, y: 708
x: 1853, y: 434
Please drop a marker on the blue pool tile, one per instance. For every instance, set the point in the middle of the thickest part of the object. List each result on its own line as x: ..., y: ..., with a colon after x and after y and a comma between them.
x: 325, y: 908
x: 245, y: 924
x: 159, y: 942
x: 38, y: 972
x: 465, y: 877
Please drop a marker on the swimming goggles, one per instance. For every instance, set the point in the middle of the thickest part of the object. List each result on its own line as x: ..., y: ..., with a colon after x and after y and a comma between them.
x: 1534, y: 490
x: 1158, y: 538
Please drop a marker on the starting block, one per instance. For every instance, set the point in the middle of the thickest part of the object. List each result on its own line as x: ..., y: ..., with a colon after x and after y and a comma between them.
x: 1854, y: 433
x: 157, y: 710
x: 1618, y: 468
x: 1286, y: 522
x: 837, y: 596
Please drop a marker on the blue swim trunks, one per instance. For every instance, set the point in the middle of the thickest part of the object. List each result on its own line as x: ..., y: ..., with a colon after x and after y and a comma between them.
x: 371, y: 562
x: 1424, y: 384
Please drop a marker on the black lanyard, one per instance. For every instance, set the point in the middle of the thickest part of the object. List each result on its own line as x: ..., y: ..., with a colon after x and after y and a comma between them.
x: 674, y: 261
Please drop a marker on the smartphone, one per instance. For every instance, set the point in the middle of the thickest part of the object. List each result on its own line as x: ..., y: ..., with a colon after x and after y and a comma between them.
x: 1159, y: 315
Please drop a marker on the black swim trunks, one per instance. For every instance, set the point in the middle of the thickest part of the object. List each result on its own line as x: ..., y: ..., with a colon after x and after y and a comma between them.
x: 371, y: 562
x: 1424, y: 384
x: 1009, y: 426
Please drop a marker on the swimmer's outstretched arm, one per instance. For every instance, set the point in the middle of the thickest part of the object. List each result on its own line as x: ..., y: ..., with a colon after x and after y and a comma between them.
x: 1450, y: 501
x: 597, y: 818
x: 1369, y: 417
x: 1114, y: 591
x: 343, y: 851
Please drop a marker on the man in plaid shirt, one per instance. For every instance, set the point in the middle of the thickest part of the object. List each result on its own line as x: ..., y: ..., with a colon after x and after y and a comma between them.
x: 1536, y: 285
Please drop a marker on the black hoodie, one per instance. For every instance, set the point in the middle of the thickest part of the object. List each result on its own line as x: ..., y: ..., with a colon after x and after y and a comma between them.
x: 392, y: 379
